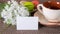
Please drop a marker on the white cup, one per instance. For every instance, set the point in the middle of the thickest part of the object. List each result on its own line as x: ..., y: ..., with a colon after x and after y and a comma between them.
x: 52, y: 15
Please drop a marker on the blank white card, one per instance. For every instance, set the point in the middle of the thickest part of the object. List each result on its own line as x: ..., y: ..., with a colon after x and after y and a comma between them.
x: 27, y: 23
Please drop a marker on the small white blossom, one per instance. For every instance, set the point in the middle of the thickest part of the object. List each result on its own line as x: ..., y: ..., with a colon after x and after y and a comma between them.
x: 9, y: 2
x: 6, y: 7
x: 11, y: 12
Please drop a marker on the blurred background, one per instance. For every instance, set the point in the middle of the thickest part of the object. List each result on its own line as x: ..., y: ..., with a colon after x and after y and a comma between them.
x: 27, y: 0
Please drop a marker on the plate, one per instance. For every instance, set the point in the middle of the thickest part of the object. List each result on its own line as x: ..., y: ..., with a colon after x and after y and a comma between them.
x: 44, y: 21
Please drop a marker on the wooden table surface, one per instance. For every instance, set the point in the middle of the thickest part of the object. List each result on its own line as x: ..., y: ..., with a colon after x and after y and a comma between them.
x: 4, y: 29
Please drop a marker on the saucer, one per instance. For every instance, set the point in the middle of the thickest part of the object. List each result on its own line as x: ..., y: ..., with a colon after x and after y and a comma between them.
x: 44, y: 21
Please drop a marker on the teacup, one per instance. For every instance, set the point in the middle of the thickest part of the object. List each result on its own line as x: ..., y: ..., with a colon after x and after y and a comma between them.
x: 50, y: 10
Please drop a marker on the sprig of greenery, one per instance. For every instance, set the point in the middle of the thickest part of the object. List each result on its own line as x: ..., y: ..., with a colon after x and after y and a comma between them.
x: 2, y: 5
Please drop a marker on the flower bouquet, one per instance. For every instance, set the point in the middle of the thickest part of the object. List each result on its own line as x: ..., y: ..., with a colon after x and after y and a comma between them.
x: 12, y: 10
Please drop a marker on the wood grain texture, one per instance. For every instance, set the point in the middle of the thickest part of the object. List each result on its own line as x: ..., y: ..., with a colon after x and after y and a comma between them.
x: 42, y: 30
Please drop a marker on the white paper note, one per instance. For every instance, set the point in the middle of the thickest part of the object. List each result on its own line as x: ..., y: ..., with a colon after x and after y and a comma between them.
x: 27, y: 23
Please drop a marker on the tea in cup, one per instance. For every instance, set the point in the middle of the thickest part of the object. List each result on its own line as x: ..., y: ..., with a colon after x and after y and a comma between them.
x: 50, y: 10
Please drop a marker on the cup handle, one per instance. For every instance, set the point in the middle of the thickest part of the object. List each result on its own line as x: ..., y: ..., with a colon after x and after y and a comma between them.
x: 40, y: 7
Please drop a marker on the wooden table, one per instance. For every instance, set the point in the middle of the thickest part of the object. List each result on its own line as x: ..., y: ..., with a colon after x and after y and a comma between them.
x: 42, y: 30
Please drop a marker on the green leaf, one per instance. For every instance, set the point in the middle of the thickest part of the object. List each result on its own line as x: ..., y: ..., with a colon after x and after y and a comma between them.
x: 2, y: 5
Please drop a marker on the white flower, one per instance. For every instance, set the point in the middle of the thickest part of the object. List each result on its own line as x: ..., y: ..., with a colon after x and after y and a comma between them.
x: 3, y: 14
x: 11, y: 12
x: 9, y: 2
x: 6, y: 7
x: 13, y: 21
x: 8, y: 21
